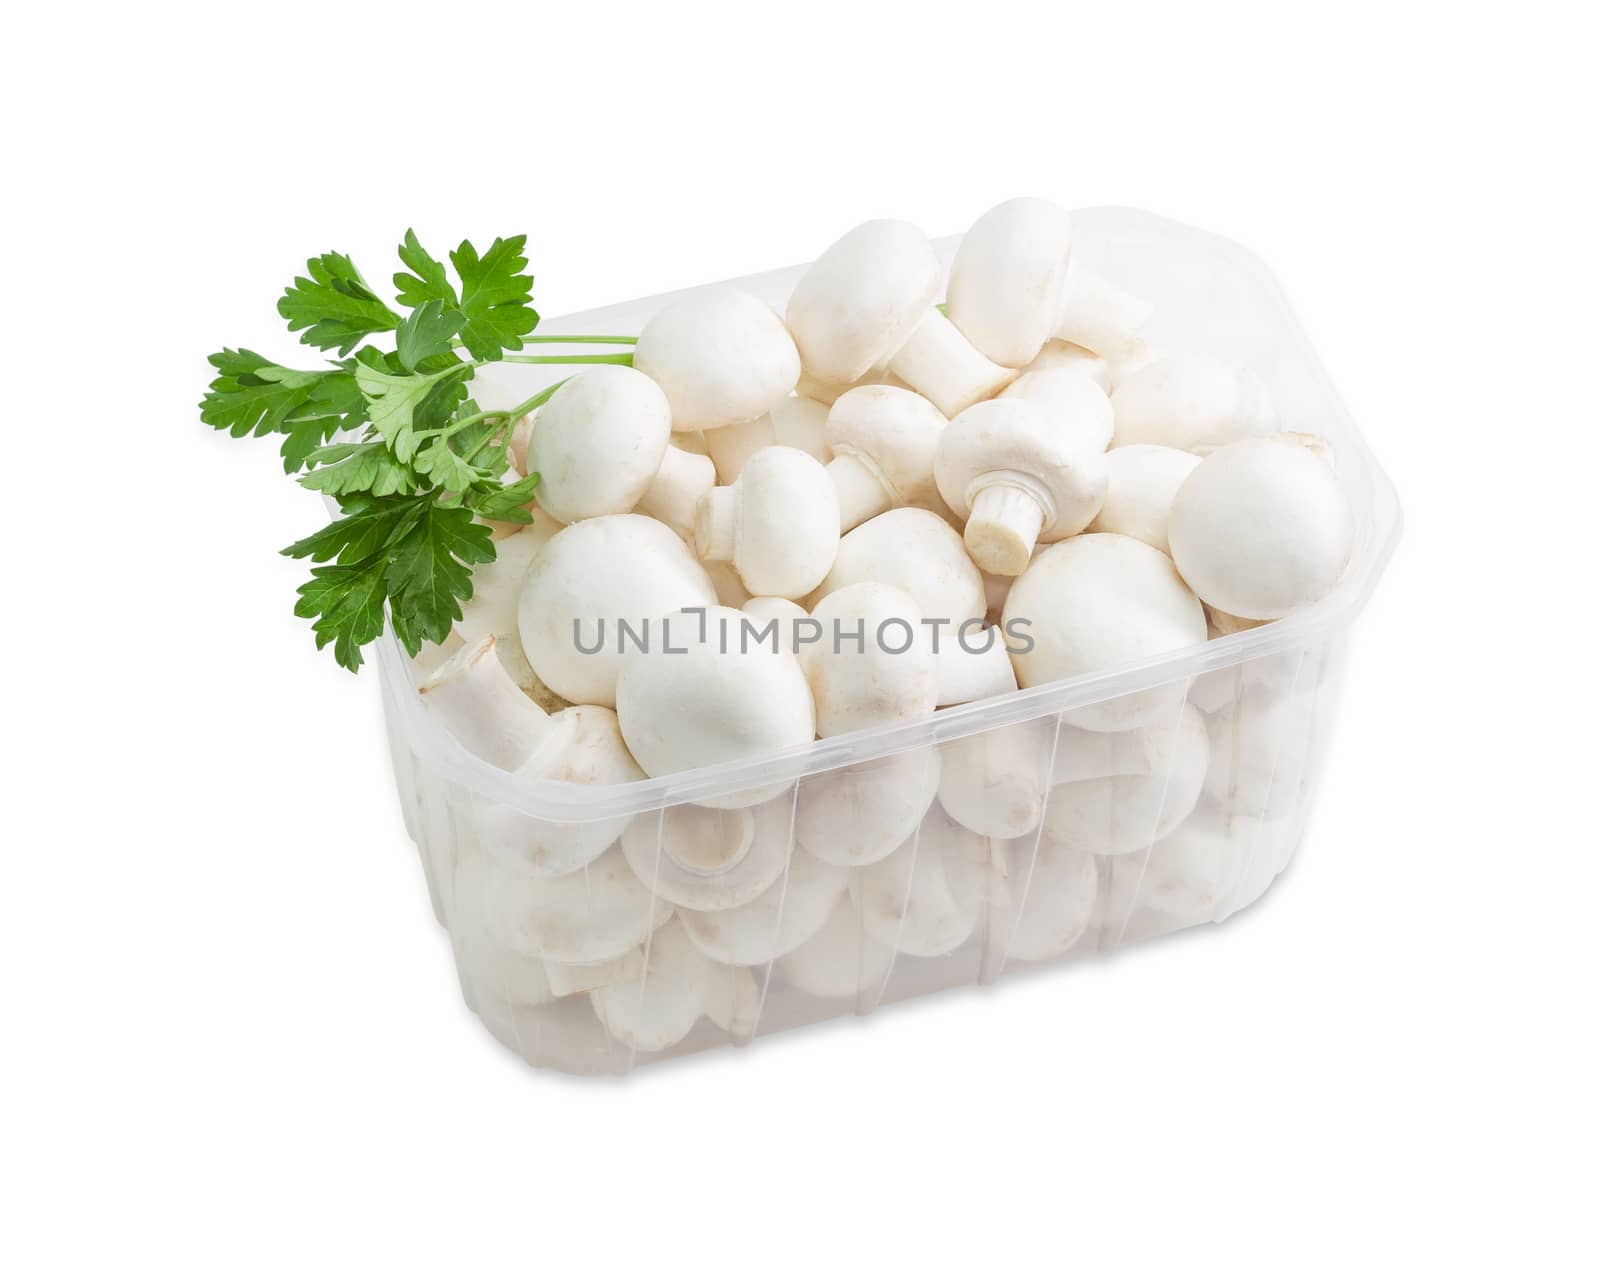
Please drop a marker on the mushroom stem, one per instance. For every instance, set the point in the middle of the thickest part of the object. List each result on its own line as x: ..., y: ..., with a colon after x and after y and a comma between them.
x: 862, y: 493
x: 1003, y: 527
x: 939, y: 363
x: 483, y: 708
x: 679, y: 484
x: 729, y: 446
x: 715, y: 524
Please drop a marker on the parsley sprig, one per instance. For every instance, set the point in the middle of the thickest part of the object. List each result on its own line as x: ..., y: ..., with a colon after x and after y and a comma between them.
x: 416, y: 466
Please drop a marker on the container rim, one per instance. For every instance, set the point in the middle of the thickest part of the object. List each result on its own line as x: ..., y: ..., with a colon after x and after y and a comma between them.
x: 1378, y: 527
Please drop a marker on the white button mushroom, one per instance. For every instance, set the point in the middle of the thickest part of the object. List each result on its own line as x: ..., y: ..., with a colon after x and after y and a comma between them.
x: 591, y: 578
x: 599, y: 442
x: 1099, y: 601
x: 868, y: 302
x: 705, y: 693
x: 1018, y: 478
x: 842, y: 961
x: 723, y: 358
x: 925, y: 899
x: 859, y: 813
x: 873, y: 663
x: 581, y: 745
x: 479, y: 704
x: 1072, y: 358
x: 497, y: 584
x: 994, y: 782
x: 778, y: 523
x: 679, y: 486
x: 1008, y: 279
x: 672, y: 986
x: 488, y: 968
x: 1183, y: 879
x: 584, y: 917
x: 1262, y: 528
x: 802, y: 423
x: 1118, y: 813
x: 1193, y: 402
x: 1097, y: 314
x: 918, y: 552
x: 776, y: 621
x: 707, y: 859
x: 1048, y: 904
x: 1076, y: 404
x: 1261, y: 750
x: 1142, y: 481
x: 883, y: 441
x: 974, y: 662
x: 775, y: 922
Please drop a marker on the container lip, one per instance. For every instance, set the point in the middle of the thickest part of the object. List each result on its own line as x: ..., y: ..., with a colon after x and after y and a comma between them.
x: 1379, y: 524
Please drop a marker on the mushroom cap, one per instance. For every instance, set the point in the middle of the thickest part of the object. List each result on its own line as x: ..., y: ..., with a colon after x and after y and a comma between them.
x: 916, y: 551
x: 582, y: 744
x: 1074, y: 400
x: 598, y: 443
x: 1142, y: 480
x: 781, y: 613
x: 995, y: 782
x: 583, y: 917
x: 497, y: 584
x: 708, y: 859
x: 710, y: 697
x: 720, y: 356
x: 1009, y: 278
x: 896, y: 433
x: 657, y: 1002
x: 1118, y: 813
x: 925, y: 899
x: 859, y: 813
x: 859, y: 302
x: 786, y: 529
x: 802, y: 423
x: 790, y: 911
x: 841, y: 961
x: 1069, y: 355
x: 888, y: 674
x: 1096, y: 602
x: 1011, y: 441
x: 1261, y: 528
x: 591, y: 576
x: 1049, y: 904
x: 1193, y: 402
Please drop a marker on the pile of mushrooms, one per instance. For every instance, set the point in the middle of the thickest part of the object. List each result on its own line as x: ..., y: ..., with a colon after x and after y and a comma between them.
x: 776, y: 527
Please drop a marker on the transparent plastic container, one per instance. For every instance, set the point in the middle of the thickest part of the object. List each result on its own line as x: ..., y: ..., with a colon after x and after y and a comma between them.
x: 566, y: 905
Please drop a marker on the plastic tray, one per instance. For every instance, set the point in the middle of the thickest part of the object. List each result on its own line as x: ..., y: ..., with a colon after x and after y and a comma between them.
x: 1085, y: 844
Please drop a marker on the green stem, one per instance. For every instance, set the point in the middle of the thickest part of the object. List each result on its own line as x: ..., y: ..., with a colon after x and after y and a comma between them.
x: 556, y: 339
x: 538, y: 400
x: 602, y: 338
x: 625, y: 359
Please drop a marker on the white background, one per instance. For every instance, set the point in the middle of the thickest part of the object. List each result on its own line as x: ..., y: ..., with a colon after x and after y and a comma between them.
x: 232, y: 1029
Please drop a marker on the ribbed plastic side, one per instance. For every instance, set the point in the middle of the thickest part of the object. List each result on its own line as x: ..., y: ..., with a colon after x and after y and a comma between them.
x: 1033, y: 843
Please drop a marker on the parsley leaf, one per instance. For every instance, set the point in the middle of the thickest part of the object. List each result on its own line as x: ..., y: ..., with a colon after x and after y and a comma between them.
x: 426, y: 333
x: 442, y: 466
x: 431, y: 572
x: 393, y: 402
x: 366, y: 528
x: 505, y: 503
x: 495, y: 297
x: 347, y: 468
x: 253, y: 395
x: 346, y: 602
x: 334, y: 306
x: 426, y: 281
